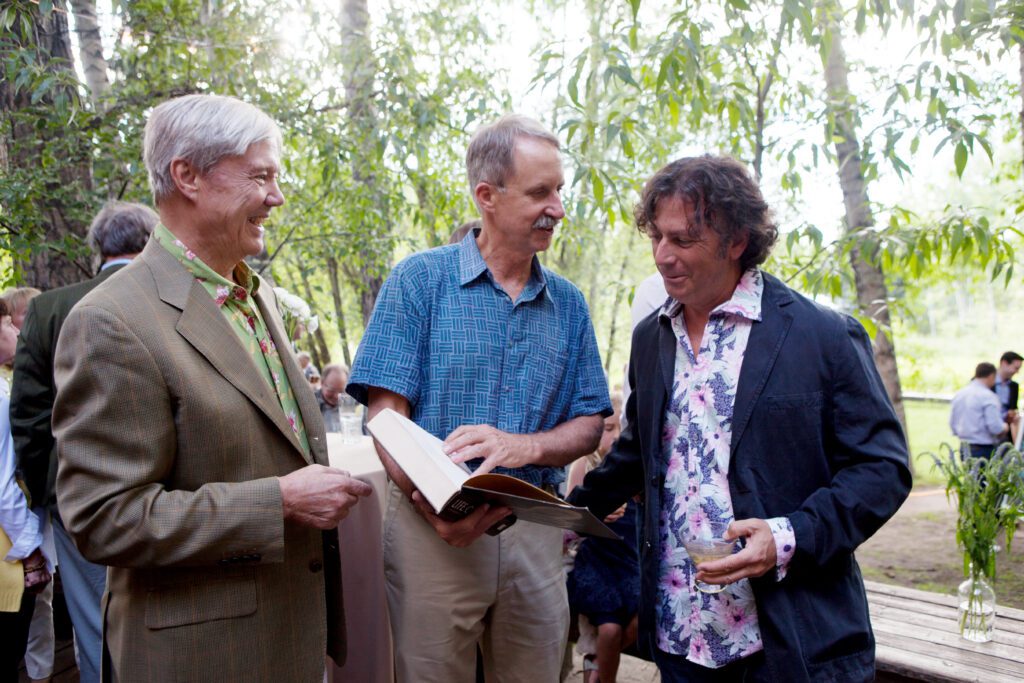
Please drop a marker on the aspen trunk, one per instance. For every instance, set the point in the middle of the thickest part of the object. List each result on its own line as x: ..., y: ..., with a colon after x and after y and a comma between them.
x: 90, y: 51
x: 872, y: 292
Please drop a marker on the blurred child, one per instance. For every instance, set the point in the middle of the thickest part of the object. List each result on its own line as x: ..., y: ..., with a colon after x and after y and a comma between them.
x: 604, y: 585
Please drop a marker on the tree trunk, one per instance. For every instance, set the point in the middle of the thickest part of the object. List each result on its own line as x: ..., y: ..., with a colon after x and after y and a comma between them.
x: 208, y: 14
x: 59, y: 227
x: 872, y: 293
x: 339, y: 313
x: 764, y: 85
x: 90, y: 51
x: 619, y: 290
x: 1020, y: 50
x: 375, y: 233
x: 319, y: 347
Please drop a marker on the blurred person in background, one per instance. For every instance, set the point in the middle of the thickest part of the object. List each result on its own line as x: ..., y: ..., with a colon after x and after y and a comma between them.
x: 24, y: 568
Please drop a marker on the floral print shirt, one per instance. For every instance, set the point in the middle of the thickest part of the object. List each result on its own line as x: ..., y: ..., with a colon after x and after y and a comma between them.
x: 235, y: 300
x: 711, y: 630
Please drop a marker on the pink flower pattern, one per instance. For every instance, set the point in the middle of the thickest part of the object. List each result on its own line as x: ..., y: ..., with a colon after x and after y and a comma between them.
x: 235, y: 301
x: 708, y: 629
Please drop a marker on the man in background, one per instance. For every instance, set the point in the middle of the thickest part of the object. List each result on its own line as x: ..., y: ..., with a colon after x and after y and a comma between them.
x: 1008, y: 391
x: 331, y: 395
x: 975, y: 414
x: 117, y: 234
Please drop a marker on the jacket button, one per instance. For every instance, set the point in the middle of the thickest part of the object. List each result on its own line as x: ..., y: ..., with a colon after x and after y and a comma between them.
x: 654, y: 480
x: 315, y: 566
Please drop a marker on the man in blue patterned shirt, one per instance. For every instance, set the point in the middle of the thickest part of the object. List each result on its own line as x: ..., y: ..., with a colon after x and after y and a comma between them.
x: 484, y: 348
x: 755, y: 414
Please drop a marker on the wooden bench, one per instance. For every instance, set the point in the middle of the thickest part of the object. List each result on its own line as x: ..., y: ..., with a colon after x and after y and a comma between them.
x: 917, y: 639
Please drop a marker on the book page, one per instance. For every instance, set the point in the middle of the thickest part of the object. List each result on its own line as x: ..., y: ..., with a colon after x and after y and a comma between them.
x: 433, y: 448
x: 502, y: 483
x: 419, y: 455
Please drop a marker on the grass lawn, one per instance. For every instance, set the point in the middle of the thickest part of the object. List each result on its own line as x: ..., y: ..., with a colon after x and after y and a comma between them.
x: 928, y: 427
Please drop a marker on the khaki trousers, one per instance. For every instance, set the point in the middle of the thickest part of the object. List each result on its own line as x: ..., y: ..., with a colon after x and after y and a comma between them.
x: 506, y: 593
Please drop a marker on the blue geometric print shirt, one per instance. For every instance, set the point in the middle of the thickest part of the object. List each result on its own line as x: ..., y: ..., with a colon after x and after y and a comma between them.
x: 447, y: 337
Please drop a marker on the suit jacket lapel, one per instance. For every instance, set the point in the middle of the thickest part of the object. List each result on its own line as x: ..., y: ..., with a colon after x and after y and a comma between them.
x: 204, y: 326
x: 766, y: 338
x: 667, y: 346
x: 308, y: 407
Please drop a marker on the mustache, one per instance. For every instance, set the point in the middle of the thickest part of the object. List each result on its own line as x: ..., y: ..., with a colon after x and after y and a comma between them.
x: 544, y: 223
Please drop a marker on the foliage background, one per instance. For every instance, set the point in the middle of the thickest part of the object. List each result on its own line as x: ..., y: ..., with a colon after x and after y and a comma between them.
x: 377, y: 102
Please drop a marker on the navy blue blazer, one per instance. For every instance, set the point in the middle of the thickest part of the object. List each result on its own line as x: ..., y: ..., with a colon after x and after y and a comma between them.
x: 814, y: 439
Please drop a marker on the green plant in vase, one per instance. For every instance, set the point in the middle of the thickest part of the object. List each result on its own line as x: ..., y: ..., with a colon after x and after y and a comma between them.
x: 989, y: 493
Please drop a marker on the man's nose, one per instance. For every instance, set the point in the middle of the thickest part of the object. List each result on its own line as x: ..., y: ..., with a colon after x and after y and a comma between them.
x: 662, y: 254
x: 274, y: 197
x: 557, y: 211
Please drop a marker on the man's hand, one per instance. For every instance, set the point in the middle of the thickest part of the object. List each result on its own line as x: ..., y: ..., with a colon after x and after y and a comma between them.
x: 756, y: 558
x: 463, y: 532
x: 1012, y: 416
x: 496, y: 447
x: 319, y: 496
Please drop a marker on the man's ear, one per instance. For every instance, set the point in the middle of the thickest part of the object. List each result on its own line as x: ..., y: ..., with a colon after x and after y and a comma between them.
x: 738, y: 246
x: 185, y: 177
x: 484, y: 193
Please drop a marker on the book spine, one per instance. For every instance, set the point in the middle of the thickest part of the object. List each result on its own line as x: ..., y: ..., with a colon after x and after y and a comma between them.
x: 463, y: 503
x: 459, y: 506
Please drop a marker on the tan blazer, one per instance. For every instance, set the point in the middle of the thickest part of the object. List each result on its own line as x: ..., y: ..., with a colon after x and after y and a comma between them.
x: 169, y: 444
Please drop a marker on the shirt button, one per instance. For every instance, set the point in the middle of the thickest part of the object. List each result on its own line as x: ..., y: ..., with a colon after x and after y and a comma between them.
x: 315, y: 566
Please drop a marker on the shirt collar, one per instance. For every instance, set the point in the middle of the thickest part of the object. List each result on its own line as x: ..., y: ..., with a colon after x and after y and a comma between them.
x: 115, y: 262
x: 745, y: 301
x: 472, y: 265
x: 244, y: 284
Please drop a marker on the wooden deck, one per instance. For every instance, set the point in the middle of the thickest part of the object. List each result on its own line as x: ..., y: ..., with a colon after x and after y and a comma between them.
x: 917, y: 639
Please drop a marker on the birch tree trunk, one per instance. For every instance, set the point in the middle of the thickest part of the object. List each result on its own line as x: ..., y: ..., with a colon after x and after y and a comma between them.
x: 872, y: 293
x: 90, y: 51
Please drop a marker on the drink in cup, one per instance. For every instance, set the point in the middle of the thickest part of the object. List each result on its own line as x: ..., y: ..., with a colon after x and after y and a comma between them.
x: 706, y: 549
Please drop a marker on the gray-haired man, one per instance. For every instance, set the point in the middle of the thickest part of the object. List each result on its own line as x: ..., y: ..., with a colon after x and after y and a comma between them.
x: 117, y: 234
x: 192, y: 453
x: 484, y: 347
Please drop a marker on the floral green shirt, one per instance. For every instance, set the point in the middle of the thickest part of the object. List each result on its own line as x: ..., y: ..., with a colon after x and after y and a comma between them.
x: 236, y: 303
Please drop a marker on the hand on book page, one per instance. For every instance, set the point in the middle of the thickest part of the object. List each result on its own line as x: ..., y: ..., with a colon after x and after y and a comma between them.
x: 463, y: 532
x: 497, y: 448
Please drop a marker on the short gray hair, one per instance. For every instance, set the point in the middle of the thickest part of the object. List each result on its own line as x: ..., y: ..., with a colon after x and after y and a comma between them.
x: 201, y: 129
x: 489, y: 156
x: 121, y: 228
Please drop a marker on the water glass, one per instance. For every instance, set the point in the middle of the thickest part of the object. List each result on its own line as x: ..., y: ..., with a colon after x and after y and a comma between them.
x: 351, y: 427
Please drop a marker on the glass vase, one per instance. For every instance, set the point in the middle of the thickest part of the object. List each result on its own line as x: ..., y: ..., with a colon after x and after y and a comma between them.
x: 976, y: 614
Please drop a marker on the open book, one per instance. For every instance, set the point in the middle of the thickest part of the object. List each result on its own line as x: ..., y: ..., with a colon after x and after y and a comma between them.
x: 454, y: 491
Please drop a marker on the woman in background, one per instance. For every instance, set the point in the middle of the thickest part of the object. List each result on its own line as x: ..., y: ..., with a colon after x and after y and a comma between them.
x: 23, y: 569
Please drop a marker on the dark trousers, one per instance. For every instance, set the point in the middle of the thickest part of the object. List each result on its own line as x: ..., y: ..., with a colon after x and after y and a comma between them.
x: 14, y: 627
x: 678, y: 669
x: 981, y: 450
